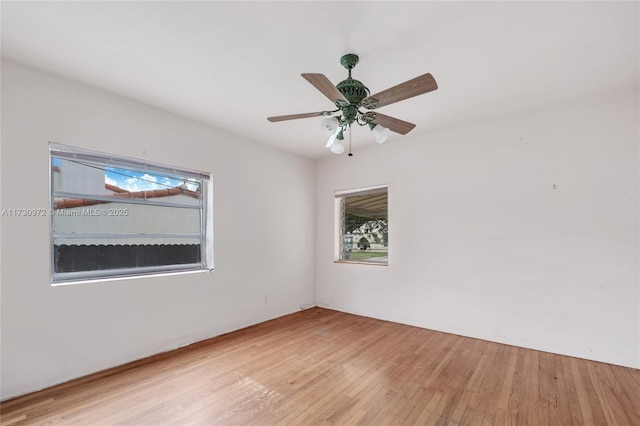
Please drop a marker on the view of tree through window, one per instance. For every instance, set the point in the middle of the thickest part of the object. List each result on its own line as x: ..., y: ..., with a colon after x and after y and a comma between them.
x: 363, y: 221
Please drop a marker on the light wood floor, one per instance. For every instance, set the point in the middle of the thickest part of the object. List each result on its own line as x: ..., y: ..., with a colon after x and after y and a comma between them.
x: 324, y: 367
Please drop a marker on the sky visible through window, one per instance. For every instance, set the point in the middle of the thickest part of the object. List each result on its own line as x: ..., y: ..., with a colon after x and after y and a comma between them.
x: 133, y: 180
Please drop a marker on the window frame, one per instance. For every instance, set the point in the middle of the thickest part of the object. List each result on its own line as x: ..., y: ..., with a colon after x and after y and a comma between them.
x: 340, y: 226
x: 101, y: 159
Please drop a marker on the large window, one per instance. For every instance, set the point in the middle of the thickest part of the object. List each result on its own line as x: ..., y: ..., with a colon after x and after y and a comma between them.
x: 115, y: 217
x: 362, y: 233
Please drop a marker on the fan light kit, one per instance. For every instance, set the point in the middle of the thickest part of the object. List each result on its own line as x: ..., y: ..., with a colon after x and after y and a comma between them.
x: 350, y: 95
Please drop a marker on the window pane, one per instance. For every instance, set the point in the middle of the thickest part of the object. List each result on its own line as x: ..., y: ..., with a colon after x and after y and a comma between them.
x: 364, y: 226
x: 117, y: 235
x: 96, y: 181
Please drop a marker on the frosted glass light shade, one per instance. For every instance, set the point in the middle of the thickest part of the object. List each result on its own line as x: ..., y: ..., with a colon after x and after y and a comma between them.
x: 380, y: 133
x: 337, y: 147
x: 330, y: 125
x: 332, y: 138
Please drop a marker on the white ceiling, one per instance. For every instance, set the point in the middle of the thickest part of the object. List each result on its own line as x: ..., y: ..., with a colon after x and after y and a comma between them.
x: 232, y: 64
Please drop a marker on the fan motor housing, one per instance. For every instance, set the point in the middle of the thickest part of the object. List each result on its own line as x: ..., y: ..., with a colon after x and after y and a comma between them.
x: 350, y: 113
x: 353, y: 90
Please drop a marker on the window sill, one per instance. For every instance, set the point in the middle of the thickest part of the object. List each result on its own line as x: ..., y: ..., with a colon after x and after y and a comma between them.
x: 355, y: 262
x: 100, y: 279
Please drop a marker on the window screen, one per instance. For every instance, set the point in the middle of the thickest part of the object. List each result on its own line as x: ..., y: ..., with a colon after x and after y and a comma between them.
x: 114, y: 216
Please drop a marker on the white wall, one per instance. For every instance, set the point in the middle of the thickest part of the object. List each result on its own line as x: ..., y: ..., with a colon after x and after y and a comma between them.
x: 521, y: 230
x: 261, y: 197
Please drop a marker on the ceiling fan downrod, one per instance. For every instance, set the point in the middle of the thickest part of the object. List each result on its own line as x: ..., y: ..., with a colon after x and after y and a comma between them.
x: 354, y: 90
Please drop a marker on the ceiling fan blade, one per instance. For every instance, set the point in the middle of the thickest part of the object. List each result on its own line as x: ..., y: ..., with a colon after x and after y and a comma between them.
x: 323, y: 84
x: 414, y: 87
x: 297, y: 116
x: 393, y: 124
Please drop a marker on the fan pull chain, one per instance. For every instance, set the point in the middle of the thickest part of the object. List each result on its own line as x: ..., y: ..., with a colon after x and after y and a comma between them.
x: 350, y: 154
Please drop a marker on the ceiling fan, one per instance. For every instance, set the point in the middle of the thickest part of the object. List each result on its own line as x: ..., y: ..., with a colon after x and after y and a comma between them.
x: 350, y: 95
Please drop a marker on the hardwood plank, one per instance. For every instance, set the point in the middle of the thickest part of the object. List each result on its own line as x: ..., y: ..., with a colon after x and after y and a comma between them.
x: 325, y: 367
x: 506, y: 408
x: 524, y: 400
x: 586, y: 392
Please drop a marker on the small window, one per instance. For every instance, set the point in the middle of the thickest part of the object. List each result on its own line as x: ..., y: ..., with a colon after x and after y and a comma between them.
x: 362, y: 233
x: 116, y: 217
